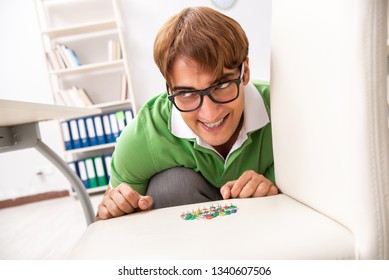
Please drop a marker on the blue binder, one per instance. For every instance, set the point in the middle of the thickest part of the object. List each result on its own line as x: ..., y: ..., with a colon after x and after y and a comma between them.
x: 82, y: 173
x: 66, y: 135
x: 120, y: 117
x: 75, y: 135
x: 107, y: 165
x: 99, y: 129
x: 129, y: 115
x: 107, y: 129
x: 83, y: 133
x: 90, y: 127
x: 114, y: 125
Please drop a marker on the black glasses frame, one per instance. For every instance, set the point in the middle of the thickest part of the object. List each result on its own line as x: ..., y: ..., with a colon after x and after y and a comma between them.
x: 207, y: 92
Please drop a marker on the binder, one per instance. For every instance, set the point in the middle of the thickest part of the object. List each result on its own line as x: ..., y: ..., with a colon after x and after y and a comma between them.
x: 90, y: 127
x: 82, y: 173
x: 66, y: 135
x: 107, y: 129
x: 129, y: 115
x: 100, y: 172
x: 107, y: 165
x: 75, y: 134
x: 121, y: 120
x: 114, y: 125
x: 83, y: 133
x: 99, y: 129
x: 91, y: 172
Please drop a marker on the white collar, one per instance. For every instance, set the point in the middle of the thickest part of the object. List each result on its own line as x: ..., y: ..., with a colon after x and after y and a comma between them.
x: 255, y: 117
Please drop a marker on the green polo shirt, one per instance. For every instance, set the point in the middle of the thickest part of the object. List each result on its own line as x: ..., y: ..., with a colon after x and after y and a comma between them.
x: 147, y: 146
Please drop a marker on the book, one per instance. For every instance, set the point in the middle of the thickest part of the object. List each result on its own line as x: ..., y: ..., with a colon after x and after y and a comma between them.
x: 53, y: 60
x: 75, y: 97
x: 72, y: 57
x: 62, y: 55
x: 85, y: 97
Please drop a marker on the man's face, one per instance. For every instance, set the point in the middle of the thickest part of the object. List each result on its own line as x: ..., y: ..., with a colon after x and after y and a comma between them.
x: 215, y: 123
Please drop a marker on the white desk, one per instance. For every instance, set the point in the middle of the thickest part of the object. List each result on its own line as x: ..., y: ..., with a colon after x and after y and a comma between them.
x: 19, y: 129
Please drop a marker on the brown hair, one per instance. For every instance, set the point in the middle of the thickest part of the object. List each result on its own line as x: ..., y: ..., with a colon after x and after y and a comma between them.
x: 210, y: 38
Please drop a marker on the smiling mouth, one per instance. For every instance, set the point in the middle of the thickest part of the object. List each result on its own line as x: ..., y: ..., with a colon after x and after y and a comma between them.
x: 213, y: 125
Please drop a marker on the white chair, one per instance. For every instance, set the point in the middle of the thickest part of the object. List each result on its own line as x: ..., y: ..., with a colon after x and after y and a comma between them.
x: 329, y: 113
x: 331, y: 148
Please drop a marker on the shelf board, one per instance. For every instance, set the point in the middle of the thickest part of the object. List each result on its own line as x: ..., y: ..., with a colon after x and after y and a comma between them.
x: 81, y: 28
x: 88, y: 68
x: 90, y: 148
x: 114, y: 105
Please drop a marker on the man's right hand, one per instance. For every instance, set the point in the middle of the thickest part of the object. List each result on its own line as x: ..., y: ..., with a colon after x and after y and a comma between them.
x: 120, y: 201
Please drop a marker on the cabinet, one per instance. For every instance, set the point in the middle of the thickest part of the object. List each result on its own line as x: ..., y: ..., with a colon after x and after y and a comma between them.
x: 86, y: 65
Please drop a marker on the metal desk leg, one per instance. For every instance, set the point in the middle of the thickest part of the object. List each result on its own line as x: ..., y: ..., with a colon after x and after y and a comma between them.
x: 72, y: 177
x: 25, y: 136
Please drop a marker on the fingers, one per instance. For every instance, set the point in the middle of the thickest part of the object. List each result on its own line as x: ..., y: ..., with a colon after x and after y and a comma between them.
x: 122, y: 200
x: 225, y: 190
x: 249, y: 184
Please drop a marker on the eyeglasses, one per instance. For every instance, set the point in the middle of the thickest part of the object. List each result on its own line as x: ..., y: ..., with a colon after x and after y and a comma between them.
x: 221, y: 93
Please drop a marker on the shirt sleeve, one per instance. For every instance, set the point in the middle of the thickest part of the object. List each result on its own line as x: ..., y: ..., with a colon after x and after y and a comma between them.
x: 132, y: 161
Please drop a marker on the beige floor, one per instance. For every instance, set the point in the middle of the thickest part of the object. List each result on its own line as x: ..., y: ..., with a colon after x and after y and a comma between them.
x: 42, y: 230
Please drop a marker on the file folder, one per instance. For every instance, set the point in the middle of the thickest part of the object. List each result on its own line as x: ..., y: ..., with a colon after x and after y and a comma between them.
x: 83, y: 133
x: 82, y: 173
x: 91, y: 131
x: 120, y: 117
x: 129, y: 115
x: 107, y: 129
x: 114, y: 125
x: 75, y: 134
x: 91, y: 172
x: 66, y: 135
x: 99, y: 129
x: 107, y: 166
x: 100, y: 172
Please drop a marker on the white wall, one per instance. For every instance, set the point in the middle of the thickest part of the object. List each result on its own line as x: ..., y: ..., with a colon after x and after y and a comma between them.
x: 144, y: 18
x: 23, y: 76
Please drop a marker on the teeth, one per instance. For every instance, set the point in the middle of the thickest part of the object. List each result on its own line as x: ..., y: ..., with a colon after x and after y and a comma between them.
x: 212, y: 125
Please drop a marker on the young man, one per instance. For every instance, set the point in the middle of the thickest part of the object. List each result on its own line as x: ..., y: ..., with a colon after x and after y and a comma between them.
x: 208, y: 137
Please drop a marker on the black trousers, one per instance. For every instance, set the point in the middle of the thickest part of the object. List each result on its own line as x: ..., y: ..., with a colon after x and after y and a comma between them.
x: 180, y: 186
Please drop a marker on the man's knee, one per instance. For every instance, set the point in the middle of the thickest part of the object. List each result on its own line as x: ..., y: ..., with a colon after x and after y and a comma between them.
x: 178, y: 186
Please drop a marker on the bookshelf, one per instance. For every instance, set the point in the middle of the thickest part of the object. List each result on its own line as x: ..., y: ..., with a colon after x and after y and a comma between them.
x: 82, y: 42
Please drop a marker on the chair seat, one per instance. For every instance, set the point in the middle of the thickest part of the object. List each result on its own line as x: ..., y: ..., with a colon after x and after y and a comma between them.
x: 276, y: 227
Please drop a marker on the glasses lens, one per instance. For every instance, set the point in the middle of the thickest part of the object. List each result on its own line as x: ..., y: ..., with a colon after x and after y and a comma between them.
x: 187, y: 101
x: 225, y: 92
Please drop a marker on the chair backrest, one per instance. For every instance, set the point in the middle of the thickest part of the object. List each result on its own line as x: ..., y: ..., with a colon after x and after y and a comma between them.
x: 329, y: 113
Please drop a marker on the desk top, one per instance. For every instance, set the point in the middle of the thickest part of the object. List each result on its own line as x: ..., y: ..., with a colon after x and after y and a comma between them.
x: 20, y: 112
